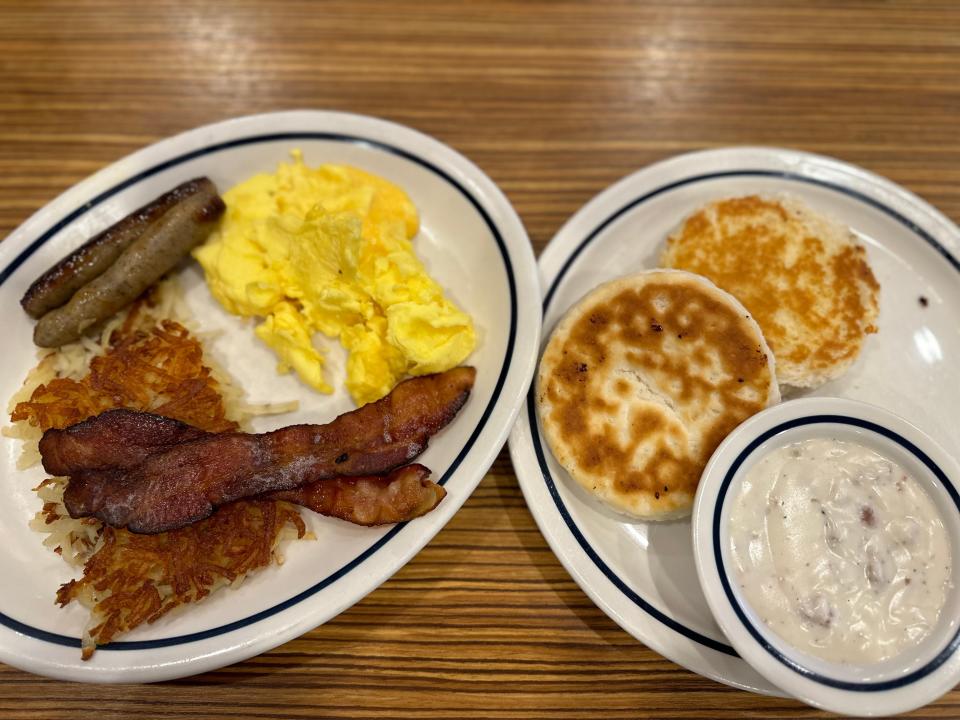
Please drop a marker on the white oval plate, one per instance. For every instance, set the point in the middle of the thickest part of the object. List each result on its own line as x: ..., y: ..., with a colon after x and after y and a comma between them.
x: 642, y: 574
x: 470, y: 239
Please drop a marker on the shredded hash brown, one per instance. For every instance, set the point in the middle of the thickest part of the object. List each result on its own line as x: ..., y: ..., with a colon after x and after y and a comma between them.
x: 134, y: 579
x: 159, y: 371
x: 131, y: 579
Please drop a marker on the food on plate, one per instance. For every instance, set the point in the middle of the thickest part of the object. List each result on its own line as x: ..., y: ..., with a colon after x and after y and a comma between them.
x: 155, y: 491
x: 122, y: 439
x: 131, y: 579
x: 181, y: 483
x: 152, y: 254
x: 146, y: 361
x: 642, y: 379
x: 803, y: 277
x: 114, y: 439
x: 840, y: 551
x: 58, y: 284
x: 329, y: 250
x: 401, y: 495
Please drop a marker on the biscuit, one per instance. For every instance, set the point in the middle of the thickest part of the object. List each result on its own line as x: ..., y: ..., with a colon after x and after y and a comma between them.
x: 804, y: 278
x: 642, y: 379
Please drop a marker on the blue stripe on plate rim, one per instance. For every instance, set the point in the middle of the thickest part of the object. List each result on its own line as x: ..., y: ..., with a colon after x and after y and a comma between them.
x: 644, y: 604
x: 892, y: 684
x: 5, y: 274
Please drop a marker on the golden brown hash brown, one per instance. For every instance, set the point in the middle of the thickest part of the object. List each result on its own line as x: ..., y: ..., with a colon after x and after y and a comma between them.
x: 159, y: 371
x: 132, y: 579
x: 189, y: 564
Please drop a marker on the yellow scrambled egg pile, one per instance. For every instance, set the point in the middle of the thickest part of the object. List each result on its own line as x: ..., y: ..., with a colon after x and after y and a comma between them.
x: 329, y: 250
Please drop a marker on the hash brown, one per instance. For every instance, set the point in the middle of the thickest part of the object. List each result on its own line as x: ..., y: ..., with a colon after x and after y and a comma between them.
x: 642, y: 379
x: 803, y: 277
x: 157, y: 365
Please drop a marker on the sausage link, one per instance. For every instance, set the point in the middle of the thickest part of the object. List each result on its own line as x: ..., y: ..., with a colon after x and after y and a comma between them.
x: 58, y: 284
x: 150, y: 257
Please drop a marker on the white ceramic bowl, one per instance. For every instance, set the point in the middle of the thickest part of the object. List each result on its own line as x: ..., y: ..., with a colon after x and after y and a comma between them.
x: 914, y: 677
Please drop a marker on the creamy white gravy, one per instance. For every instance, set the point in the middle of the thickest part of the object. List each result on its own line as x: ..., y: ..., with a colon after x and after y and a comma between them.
x: 839, y: 551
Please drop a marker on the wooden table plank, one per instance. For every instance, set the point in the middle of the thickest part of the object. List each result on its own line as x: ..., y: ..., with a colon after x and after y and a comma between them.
x: 555, y: 100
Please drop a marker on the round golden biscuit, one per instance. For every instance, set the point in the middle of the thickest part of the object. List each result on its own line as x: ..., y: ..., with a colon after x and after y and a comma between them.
x: 642, y: 379
x: 803, y: 277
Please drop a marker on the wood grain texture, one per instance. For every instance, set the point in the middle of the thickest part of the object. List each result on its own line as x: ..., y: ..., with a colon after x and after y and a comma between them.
x: 555, y: 100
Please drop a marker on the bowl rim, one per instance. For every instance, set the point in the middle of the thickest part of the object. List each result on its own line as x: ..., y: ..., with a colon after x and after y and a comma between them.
x: 894, y: 694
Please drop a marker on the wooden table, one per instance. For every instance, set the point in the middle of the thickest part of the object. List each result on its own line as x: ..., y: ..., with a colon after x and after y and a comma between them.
x: 555, y: 101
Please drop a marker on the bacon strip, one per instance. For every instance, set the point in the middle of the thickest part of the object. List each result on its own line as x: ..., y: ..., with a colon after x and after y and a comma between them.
x: 183, y: 483
x: 113, y: 439
x: 121, y: 439
x: 402, y: 495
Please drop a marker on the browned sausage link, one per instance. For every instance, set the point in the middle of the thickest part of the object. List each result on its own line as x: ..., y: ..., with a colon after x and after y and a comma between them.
x: 153, y: 254
x: 58, y: 284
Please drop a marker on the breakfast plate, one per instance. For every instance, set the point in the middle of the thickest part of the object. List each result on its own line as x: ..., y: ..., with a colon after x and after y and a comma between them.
x: 470, y: 240
x: 643, y: 574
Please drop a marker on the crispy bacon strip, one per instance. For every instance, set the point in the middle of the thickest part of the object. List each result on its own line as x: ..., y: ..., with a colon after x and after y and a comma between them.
x: 129, y: 437
x: 185, y: 482
x: 115, y: 439
x: 402, y: 495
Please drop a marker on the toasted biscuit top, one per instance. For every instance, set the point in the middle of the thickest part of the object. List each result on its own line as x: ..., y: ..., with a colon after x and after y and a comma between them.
x: 805, y: 279
x: 642, y: 380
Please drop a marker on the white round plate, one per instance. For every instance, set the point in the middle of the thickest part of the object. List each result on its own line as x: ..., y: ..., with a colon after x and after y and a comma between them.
x: 642, y: 574
x: 471, y: 241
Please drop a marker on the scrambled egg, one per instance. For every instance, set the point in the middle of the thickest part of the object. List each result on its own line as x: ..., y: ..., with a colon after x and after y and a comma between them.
x: 329, y: 250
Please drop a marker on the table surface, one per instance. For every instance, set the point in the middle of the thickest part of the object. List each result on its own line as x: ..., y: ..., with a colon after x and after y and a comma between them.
x: 555, y: 101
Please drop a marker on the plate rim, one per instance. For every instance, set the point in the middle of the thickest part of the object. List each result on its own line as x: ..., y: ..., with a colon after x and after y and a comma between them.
x: 480, y: 450
x: 562, y: 533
